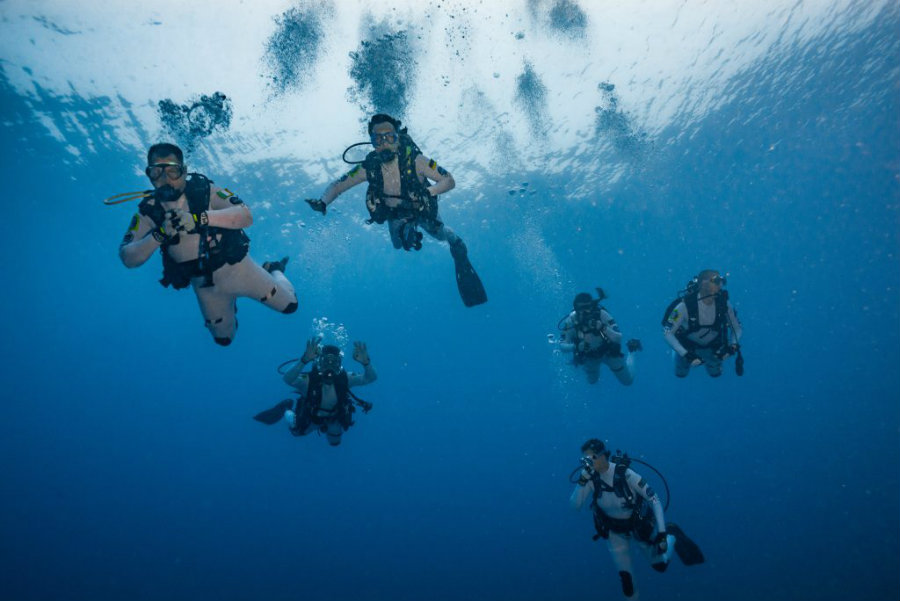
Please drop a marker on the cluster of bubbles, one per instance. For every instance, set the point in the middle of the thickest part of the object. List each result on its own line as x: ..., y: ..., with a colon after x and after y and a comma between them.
x: 617, y: 127
x: 531, y: 95
x: 292, y: 50
x: 564, y: 16
x: 329, y: 332
x: 383, y: 69
x: 191, y: 122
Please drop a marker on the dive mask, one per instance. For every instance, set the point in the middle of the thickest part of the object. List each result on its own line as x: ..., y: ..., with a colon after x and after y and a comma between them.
x: 329, y: 362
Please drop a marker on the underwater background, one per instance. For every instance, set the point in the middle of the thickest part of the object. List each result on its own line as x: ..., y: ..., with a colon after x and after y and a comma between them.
x: 625, y: 145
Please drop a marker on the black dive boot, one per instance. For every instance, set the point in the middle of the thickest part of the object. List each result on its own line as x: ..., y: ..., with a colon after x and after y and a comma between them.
x: 271, y: 266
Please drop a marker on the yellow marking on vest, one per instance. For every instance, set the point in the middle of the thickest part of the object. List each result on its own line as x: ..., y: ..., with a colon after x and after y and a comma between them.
x: 225, y: 193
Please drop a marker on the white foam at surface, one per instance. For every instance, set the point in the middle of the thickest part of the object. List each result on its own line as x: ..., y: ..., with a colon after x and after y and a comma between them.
x: 669, y: 59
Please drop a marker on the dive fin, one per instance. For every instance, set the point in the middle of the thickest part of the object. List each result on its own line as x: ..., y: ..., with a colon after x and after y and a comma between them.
x: 274, y: 415
x: 686, y: 549
x: 471, y: 290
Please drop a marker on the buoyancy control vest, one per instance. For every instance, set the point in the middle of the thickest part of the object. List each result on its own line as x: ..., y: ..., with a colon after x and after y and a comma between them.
x: 415, y: 200
x: 592, y: 323
x: 691, y: 302
x: 640, y: 524
x: 228, y: 245
x: 311, y: 407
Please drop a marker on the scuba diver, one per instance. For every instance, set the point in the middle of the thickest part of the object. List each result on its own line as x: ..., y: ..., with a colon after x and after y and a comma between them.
x: 198, y: 229
x: 626, y: 508
x: 699, y: 325
x: 590, y: 333
x: 325, y: 403
x: 400, y: 192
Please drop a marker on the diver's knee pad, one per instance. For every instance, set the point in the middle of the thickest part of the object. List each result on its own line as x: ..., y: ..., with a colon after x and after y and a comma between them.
x: 627, y: 583
x: 290, y: 308
x: 222, y: 341
x: 660, y: 566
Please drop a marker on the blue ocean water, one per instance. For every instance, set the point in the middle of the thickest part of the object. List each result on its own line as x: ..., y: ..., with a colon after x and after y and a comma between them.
x: 133, y: 469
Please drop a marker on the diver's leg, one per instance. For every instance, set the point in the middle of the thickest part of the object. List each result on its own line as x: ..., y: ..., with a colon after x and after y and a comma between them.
x: 247, y: 278
x: 437, y: 230
x: 217, y: 307
x: 619, y: 549
x: 333, y: 433
x: 394, y: 226
x: 682, y: 367
x: 713, y: 364
x: 592, y: 370
x: 621, y: 366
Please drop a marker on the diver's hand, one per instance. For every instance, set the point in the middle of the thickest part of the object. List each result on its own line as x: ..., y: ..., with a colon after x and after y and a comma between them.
x: 187, y: 222
x: 662, y: 545
x: 317, y: 204
x: 587, y: 471
x: 583, y: 346
x: 692, y: 358
x: 585, y: 477
x: 312, y: 349
x: 165, y: 232
x: 361, y: 353
x: 422, y: 199
x: 726, y: 351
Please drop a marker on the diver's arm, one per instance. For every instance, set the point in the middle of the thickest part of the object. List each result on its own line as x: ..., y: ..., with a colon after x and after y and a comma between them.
x: 581, y: 494
x: 294, y: 373
x: 565, y: 343
x: 137, y: 246
x: 672, y: 325
x: 227, y: 211
x: 354, y: 177
x: 641, y: 487
x: 443, y: 181
x: 367, y: 377
x: 735, y: 323
x: 611, y: 331
x: 301, y: 384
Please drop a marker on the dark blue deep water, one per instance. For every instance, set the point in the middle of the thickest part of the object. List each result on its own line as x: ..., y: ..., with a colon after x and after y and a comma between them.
x: 131, y: 467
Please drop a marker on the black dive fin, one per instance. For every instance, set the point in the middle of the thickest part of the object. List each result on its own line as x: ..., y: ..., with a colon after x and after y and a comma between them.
x: 686, y: 549
x: 471, y: 290
x: 274, y: 415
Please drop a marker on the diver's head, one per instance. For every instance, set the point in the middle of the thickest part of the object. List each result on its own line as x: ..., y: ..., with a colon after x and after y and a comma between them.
x: 583, y: 302
x: 329, y: 362
x: 710, y: 282
x: 384, y: 132
x: 165, y: 167
x: 594, y: 450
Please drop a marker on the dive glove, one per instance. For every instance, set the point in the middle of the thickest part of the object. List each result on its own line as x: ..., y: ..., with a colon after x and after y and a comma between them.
x: 318, y: 205
x: 692, y: 358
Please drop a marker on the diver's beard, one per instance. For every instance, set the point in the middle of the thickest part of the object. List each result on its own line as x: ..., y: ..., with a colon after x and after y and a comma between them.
x: 387, y: 155
x: 168, y: 193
